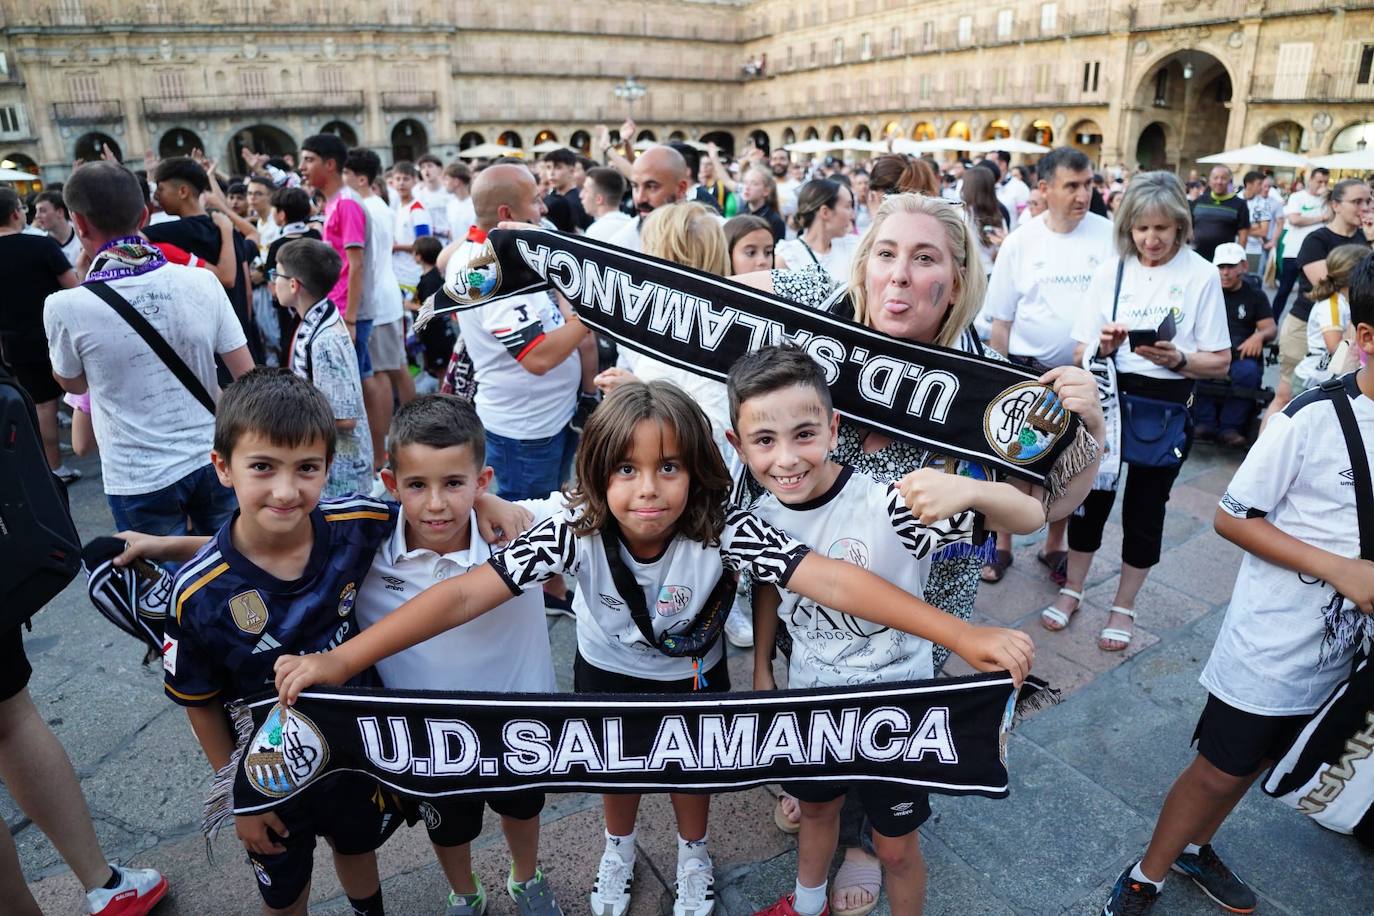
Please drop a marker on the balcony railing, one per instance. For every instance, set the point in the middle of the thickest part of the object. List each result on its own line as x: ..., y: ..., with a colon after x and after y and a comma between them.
x: 709, y: 70
x: 1319, y: 87
x: 100, y: 111
x: 265, y: 103
x: 1170, y: 13
x: 410, y: 101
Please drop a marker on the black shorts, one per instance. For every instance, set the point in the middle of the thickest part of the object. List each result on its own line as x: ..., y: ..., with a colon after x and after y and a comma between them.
x: 35, y: 377
x: 457, y: 820
x: 587, y: 678
x: 350, y: 810
x: 1240, y: 743
x: 14, y: 664
x: 893, y: 809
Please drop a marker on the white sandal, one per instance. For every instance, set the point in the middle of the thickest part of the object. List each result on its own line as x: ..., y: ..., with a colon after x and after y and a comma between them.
x: 1114, y: 634
x: 1053, y: 615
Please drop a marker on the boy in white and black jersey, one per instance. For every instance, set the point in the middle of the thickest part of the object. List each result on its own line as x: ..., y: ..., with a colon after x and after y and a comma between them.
x: 784, y: 428
x: 1300, y: 608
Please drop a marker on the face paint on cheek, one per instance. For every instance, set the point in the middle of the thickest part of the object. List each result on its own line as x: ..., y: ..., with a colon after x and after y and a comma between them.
x: 937, y: 294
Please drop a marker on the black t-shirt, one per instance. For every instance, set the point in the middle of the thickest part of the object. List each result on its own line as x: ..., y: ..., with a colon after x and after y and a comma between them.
x: 1245, y: 308
x: 1315, y: 248
x: 200, y: 236
x: 775, y: 221
x: 1217, y: 221
x: 31, y: 266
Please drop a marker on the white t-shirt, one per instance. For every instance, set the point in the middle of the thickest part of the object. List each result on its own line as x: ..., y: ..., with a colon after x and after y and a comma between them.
x: 461, y: 216
x: 436, y: 201
x: 1304, y: 204
x: 412, y: 222
x: 608, y: 225
x: 1039, y: 282
x: 71, y: 248
x: 1331, y: 314
x: 506, y: 650
x: 675, y: 584
x: 382, y: 294
x: 1262, y: 210
x: 1186, y: 286
x: 865, y: 523
x: 1266, y: 659
x: 511, y: 401
x: 1013, y: 195
x: 152, y: 431
x: 836, y: 261
x: 627, y: 236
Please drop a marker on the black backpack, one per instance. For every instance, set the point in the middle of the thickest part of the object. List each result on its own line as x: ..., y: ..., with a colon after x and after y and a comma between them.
x: 39, y: 548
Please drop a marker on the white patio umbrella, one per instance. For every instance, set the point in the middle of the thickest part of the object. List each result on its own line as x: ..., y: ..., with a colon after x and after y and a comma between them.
x: 1007, y: 145
x: 490, y: 151
x: 548, y: 146
x: 16, y: 175
x: 939, y: 145
x: 1360, y: 160
x: 1258, y: 154
x: 862, y: 146
x: 811, y: 146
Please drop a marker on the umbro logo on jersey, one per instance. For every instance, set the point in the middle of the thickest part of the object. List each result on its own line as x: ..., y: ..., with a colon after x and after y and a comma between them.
x: 266, y: 644
x: 1348, y: 477
x: 611, y: 602
x: 903, y: 808
x: 394, y: 584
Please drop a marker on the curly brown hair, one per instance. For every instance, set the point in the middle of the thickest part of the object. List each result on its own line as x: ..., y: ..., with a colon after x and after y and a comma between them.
x: 608, y: 437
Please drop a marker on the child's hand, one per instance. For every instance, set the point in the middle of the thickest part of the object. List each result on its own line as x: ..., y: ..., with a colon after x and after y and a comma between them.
x: 298, y: 673
x: 1076, y: 389
x: 997, y: 649
x: 613, y: 378
x: 1112, y: 335
x: 499, y: 521
x: 932, y: 495
x: 252, y: 830
x: 1355, y: 580
x: 140, y: 546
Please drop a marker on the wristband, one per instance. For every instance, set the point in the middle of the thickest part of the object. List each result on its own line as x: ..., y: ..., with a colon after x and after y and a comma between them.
x: 1182, y: 361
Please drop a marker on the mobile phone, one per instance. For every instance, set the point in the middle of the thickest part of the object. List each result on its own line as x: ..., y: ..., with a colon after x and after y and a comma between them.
x: 1145, y: 338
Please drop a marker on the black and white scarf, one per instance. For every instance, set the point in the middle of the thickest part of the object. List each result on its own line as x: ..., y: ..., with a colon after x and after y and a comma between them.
x: 951, y: 402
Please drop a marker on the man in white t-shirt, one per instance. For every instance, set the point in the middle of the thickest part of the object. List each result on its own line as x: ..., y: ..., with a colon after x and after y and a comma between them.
x: 524, y: 354
x: 155, y: 436
x: 1261, y: 221
x: 458, y: 211
x: 601, y: 195
x: 1036, y: 292
x: 1013, y: 193
x: 433, y: 193
x: 1305, y: 212
x: 780, y: 162
x: 50, y: 214
x: 659, y: 177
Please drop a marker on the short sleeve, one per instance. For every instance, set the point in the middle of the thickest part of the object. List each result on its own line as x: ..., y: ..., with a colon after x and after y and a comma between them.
x: 352, y: 223
x: 1260, y: 308
x: 1209, y: 326
x: 189, y: 674
x: 53, y: 258
x: 1269, y: 470
x: 516, y: 324
x: 545, y: 508
x: 546, y: 550
x: 1293, y: 207
x: 1333, y: 314
x: 1096, y: 303
x: 918, y: 539
x: 999, y: 303
x: 767, y: 553
x: 62, y: 351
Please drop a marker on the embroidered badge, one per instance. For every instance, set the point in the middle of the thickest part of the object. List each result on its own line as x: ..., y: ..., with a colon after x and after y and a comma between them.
x: 285, y: 754
x: 250, y: 612
x: 346, y: 599
x: 1025, y: 421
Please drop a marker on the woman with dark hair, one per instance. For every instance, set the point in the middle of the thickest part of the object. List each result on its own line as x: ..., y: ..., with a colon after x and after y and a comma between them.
x: 825, y: 230
x: 985, y: 214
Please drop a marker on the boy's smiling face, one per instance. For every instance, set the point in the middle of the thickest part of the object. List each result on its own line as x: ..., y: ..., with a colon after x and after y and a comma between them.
x: 277, y: 486
x: 785, y: 437
x: 436, y: 487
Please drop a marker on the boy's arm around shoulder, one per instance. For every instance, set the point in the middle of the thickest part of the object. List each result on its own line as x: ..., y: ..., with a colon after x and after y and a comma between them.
x: 934, y: 496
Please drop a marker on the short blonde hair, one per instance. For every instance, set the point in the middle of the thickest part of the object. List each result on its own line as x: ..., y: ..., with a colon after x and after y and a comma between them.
x: 972, y: 284
x: 688, y: 234
x: 1151, y: 192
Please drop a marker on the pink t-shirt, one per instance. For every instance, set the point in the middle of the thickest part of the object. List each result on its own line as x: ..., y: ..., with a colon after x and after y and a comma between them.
x: 345, y: 226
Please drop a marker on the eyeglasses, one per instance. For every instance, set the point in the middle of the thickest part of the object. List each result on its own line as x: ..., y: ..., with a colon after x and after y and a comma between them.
x: 274, y: 275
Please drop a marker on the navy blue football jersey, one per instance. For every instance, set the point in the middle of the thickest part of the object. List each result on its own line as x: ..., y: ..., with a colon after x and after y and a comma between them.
x: 230, y: 620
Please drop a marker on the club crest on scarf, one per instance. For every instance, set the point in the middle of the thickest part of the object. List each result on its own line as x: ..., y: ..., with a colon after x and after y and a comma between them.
x: 1025, y: 421
x: 479, y: 279
x: 285, y: 754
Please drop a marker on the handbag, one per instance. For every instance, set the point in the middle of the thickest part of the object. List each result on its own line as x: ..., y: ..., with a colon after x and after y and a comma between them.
x: 1154, y: 433
x: 1328, y: 772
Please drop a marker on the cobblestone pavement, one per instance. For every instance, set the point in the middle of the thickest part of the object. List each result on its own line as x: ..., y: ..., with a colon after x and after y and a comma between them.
x: 1088, y: 775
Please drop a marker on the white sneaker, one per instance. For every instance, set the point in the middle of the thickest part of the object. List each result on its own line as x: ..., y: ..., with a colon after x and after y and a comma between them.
x: 378, y: 490
x: 611, y: 893
x: 696, y: 888
x: 67, y: 474
x: 739, y: 629
x: 138, y: 892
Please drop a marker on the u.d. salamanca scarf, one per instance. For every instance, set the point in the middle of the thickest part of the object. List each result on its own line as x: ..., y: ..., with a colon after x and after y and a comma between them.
x: 946, y: 736
x: 951, y: 402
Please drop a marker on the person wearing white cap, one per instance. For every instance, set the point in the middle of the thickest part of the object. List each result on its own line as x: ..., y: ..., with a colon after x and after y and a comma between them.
x: 1250, y: 321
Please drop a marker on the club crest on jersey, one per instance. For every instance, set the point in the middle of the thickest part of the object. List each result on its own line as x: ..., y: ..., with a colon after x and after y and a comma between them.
x: 430, y: 815
x: 673, y: 600
x: 346, y: 599
x: 249, y: 611
x: 479, y: 279
x: 285, y: 754
x: 851, y: 550
x: 1024, y: 422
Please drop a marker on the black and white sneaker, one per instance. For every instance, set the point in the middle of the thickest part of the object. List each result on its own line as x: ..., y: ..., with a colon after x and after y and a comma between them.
x: 1216, y: 880
x: 696, y: 888
x: 1130, y: 897
x: 611, y: 893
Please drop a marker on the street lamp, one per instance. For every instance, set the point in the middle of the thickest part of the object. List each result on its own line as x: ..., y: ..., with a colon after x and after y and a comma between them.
x: 630, y: 91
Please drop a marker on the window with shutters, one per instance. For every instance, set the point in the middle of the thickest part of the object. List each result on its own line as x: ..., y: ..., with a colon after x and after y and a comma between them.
x: 1042, y: 77
x: 865, y: 46
x: 253, y: 83
x: 170, y: 84
x: 71, y: 12
x: 815, y: 54
x: 1005, y: 20
x: 83, y: 87
x: 1091, y: 71
x: 1294, y: 68
x: 925, y: 86
x: 10, y: 122
x: 837, y: 51
x: 331, y: 79
x: 965, y: 29
x: 1364, y: 75
x: 894, y: 40
x: 1049, y: 18
x: 927, y: 34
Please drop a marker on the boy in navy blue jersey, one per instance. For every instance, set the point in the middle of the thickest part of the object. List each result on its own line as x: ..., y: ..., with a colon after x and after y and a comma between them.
x: 280, y: 577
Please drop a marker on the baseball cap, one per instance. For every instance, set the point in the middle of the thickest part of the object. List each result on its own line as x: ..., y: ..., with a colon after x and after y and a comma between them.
x: 1228, y: 253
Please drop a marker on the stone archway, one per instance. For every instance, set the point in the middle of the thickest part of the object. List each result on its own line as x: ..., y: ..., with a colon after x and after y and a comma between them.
x: 343, y: 130
x: 789, y: 136
x: 812, y: 134
x: 1039, y: 131
x: 260, y: 138
x: 1357, y: 136
x: 179, y: 141
x: 473, y: 138
x: 409, y: 140
x: 1152, y: 149
x: 90, y: 146
x: 1289, y: 136
x: 759, y: 139
x: 863, y: 133
x: 997, y: 129
x: 836, y: 134
x: 724, y: 141
x: 581, y: 141
x: 958, y: 130
x: 510, y: 138
x: 1187, y: 92
x: 924, y: 130
x: 1086, y: 137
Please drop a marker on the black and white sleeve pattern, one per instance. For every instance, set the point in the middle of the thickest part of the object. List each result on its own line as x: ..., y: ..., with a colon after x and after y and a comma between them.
x: 546, y: 550
x: 769, y: 554
x: 920, y: 540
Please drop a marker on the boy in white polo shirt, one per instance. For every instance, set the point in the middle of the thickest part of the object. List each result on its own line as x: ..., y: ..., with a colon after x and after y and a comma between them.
x: 436, y: 470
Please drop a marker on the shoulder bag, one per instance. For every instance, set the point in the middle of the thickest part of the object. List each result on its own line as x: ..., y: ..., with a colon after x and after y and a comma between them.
x: 1154, y: 433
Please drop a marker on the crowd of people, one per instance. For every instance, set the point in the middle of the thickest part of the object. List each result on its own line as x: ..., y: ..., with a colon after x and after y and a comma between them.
x: 303, y: 438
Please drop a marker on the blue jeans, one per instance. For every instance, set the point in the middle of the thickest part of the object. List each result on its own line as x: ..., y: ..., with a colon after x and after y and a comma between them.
x: 198, y: 497
x: 363, y: 332
x: 1231, y: 414
x: 530, y: 468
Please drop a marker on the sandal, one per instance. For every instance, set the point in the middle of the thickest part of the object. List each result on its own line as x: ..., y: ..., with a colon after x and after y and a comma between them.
x: 780, y: 818
x: 865, y: 875
x: 1052, y: 614
x: 1114, y: 634
x: 1058, y: 563
x: 994, y: 571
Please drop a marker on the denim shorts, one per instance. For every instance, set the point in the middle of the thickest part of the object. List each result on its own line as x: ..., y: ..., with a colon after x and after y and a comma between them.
x: 531, y: 468
x: 199, y: 497
x: 363, y: 333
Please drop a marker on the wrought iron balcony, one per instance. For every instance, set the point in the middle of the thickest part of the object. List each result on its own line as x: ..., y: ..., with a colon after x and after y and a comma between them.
x: 410, y: 101
x: 264, y: 103
x: 99, y: 111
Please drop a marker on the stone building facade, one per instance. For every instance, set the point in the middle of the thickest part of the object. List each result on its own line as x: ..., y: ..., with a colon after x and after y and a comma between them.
x: 1153, y: 83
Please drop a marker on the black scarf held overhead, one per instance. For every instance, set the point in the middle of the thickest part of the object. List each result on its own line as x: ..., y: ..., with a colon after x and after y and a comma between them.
x: 951, y: 402
x: 946, y: 736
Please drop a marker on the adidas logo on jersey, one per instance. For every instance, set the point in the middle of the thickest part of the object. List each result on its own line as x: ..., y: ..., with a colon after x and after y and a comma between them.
x: 266, y: 644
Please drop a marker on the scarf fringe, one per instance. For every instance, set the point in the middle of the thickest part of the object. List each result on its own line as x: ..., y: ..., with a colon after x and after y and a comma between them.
x: 219, y: 806
x: 1342, y: 628
x: 1081, y: 454
x: 986, y: 552
x: 1035, y: 695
